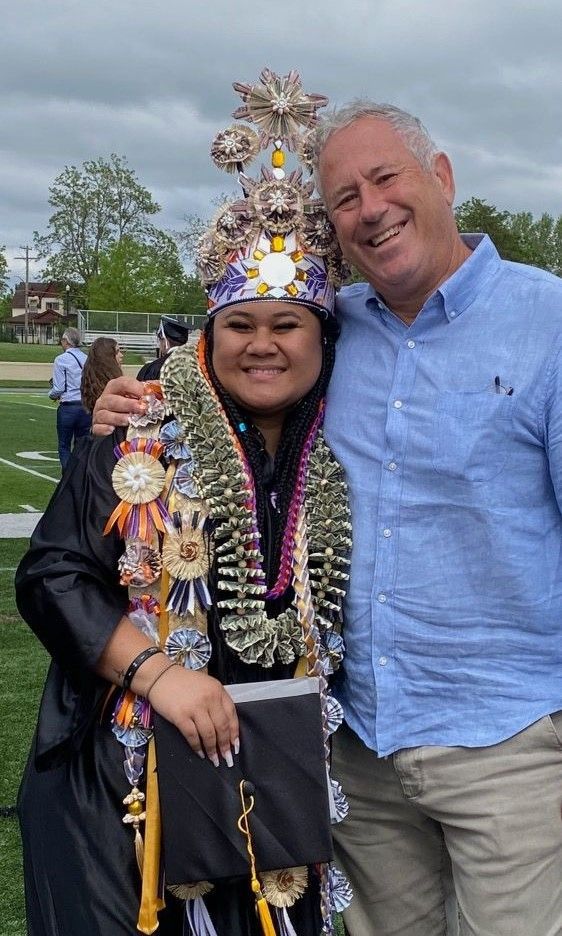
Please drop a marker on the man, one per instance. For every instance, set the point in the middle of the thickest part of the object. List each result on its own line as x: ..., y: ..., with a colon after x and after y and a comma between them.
x: 170, y: 334
x: 73, y: 421
x: 446, y: 411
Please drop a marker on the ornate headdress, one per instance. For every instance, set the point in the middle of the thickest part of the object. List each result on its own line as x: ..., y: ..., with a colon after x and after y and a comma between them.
x: 277, y: 242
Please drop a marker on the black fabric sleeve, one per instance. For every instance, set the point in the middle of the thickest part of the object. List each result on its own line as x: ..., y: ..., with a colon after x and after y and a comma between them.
x: 67, y: 585
x: 67, y: 589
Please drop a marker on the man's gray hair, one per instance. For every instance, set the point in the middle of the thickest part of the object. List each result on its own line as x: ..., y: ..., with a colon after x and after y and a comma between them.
x: 409, y: 128
x: 72, y: 335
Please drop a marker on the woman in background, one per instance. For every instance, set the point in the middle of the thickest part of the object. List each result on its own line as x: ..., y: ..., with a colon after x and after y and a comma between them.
x: 103, y: 363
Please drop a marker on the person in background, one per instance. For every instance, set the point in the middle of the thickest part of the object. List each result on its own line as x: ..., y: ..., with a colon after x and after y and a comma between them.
x: 103, y: 363
x: 73, y: 421
x: 171, y: 334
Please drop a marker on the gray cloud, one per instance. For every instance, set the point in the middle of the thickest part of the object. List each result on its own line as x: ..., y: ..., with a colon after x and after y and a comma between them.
x: 153, y: 82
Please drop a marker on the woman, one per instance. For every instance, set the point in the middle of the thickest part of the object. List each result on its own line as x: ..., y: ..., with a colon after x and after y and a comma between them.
x: 238, y: 482
x: 103, y: 363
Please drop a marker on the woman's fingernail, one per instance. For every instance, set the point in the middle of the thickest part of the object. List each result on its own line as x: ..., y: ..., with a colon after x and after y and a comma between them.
x: 200, y: 754
x: 215, y: 759
x: 236, y: 745
x: 228, y: 758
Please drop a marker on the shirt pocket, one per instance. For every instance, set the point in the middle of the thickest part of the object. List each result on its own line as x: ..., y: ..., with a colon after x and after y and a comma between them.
x: 471, y: 434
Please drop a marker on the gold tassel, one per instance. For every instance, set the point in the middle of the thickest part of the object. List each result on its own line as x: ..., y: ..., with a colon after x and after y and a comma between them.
x: 151, y: 901
x: 267, y: 926
x: 262, y: 907
x: 139, y: 850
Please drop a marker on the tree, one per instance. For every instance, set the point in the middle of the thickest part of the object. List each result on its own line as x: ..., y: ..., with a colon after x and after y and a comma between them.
x: 95, y: 206
x: 3, y: 272
x: 475, y: 215
x: 144, y: 276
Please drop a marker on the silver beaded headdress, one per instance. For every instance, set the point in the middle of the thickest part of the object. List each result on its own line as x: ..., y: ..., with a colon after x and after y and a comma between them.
x: 277, y: 241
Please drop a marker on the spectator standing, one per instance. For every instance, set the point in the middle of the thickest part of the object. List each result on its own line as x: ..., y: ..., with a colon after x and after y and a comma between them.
x: 170, y: 334
x: 103, y: 363
x: 73, y: 421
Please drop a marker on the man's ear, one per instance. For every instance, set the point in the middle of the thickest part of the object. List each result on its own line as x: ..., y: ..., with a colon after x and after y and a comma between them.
x: 443, y: 172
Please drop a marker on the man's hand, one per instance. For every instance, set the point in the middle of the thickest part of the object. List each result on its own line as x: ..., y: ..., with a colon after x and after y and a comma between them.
x: 121, y: 397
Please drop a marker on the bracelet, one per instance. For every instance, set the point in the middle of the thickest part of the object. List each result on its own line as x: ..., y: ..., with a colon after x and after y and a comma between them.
x: 154, y: 681
x: 137, y: 663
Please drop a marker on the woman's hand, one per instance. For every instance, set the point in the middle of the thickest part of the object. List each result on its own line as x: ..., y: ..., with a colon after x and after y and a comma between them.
x: 199, y: 707
x: 121, y: 397
x: 197, y: 704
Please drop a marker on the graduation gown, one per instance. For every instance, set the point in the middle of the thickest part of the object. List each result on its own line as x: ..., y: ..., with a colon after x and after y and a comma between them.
x: 79, y: 862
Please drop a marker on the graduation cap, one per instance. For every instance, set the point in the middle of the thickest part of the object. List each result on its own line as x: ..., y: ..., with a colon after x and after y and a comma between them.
x: 279, y: 780
x: 173, y: 330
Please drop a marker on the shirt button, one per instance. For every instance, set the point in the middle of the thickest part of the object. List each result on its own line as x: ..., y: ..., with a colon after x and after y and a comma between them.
x: 383, y: 660
x: 397, y: 404
x: 392, y: 466
x: 381, y: 597
x: 387, y: 532
x: 411, y: 344
x: 452, y: 314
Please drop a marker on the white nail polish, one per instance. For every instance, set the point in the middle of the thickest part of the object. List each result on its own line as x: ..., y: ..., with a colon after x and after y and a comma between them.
x: 200, y: 754
x: 236, y: 745
x: 228, y: 759
x: 215, y: 759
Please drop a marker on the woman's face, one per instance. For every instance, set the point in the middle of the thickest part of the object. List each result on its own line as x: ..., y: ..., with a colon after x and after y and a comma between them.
x: 119, y: 355
x: 267, y: 355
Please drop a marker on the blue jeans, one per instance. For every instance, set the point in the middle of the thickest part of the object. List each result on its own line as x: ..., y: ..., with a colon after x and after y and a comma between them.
x: 73, y: 422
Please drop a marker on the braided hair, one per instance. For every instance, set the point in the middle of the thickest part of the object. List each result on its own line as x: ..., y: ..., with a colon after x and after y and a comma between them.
x: 296, y: 428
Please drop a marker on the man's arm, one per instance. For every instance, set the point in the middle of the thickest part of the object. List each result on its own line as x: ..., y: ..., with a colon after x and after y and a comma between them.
x: 121, y: 397
x: 58, y: 386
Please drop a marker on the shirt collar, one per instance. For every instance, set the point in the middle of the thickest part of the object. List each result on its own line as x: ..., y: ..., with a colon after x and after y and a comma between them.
x: 457, y: 292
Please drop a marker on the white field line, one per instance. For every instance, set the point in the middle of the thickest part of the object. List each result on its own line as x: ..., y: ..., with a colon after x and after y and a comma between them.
x: 25, y: 403
x: 29, y: 471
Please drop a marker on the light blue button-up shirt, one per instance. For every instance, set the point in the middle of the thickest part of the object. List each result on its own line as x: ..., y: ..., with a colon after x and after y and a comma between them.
x: 67, y: 376
x: 450, y: 432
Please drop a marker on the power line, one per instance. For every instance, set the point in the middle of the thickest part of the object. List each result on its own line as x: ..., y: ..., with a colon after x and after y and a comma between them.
x: 27, y: 258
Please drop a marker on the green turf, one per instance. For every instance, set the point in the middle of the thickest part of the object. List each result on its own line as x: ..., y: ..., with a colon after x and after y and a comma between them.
x: 37, y: 385
x: 27, y: 424
x: 14, y: 351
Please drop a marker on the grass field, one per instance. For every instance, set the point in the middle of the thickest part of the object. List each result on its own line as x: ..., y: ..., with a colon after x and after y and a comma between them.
x: 29, y: 465
x: 38, y: 354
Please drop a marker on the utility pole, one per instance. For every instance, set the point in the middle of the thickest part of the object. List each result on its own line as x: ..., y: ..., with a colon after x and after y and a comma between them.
x: 27, y: 258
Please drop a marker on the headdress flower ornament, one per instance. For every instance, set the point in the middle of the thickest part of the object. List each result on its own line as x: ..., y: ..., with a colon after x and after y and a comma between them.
x: 234, y: 148
x: 279, y: 106
x: 277, y: 242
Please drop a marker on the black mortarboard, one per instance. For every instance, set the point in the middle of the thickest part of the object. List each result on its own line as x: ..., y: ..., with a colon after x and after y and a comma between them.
x: 175, y: 331
x: 281, y: 755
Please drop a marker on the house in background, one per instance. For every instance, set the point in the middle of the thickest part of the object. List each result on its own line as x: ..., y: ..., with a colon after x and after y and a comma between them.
x: 48, y: 312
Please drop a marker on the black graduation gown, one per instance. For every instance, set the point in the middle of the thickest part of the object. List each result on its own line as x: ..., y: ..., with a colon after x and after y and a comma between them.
x: 79, y: 863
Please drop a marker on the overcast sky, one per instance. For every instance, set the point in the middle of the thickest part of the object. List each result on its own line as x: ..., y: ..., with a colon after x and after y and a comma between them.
x: 152, y: 81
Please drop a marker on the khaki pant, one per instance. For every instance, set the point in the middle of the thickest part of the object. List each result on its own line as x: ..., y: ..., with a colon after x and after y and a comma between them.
x: 492, y: 815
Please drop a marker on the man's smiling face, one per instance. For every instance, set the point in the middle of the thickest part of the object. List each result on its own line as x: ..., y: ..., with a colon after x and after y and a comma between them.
x: 393, y: 218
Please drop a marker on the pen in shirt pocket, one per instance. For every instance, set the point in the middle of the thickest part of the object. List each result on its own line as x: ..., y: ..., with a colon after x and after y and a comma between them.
x: 500, y: 388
